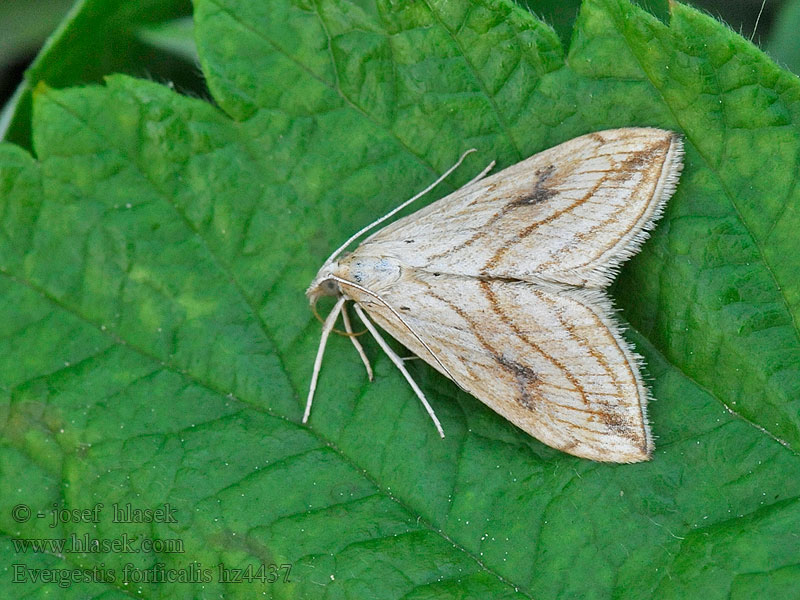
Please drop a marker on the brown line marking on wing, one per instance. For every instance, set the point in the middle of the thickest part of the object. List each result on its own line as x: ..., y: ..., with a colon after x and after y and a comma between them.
x: 566, y: 389
x: 632, y: 375
x: 623, y: 172
x: 512, y: 369
x: 540, y: 193
x: 569, y: 445
x: 579, y: 339
x: 571, y: 424
x: 494, y: 260
x: 490, y: 296
x: 521, y: 373
x: 485, y: 287
x: 609, y: 417
x: 485, y: 192
x: 593, y: 171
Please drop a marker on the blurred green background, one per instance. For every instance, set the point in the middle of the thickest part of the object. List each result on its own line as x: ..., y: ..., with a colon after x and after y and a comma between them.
x: 70, y: 42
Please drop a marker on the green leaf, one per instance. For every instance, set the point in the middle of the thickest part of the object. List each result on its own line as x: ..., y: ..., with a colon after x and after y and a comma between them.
x: 157, y: 346
x: 561, y: 14
x: 96, y: 38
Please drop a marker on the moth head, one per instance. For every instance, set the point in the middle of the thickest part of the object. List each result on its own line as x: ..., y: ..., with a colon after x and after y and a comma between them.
x: 324, y: 284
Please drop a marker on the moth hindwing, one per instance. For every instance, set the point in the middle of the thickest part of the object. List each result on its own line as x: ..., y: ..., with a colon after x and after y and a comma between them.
x: 500, y: 286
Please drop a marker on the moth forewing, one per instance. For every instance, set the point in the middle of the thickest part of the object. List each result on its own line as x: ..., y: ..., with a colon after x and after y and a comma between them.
x: 500, y: 287
x: 570, y: 214
x: 547, y: 358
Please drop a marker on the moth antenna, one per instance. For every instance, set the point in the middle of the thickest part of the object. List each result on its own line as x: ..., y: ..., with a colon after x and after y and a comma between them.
x: 399, y: 364
x: 326, y: 330
x: 349, y: 329
x: 401, y: 319
x: 395, y: 210
x: 758, y: 18
x: 482, y: 174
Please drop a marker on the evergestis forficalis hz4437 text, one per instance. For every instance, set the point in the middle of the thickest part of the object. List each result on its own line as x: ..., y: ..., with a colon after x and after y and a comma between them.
x: 500, y: 286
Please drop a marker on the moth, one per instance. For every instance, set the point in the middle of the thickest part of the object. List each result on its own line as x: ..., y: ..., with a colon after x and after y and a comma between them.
x: 500, y: 286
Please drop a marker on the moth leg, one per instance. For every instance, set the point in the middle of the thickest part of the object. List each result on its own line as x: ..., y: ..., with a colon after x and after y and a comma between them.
x: 330, y: 321
x: 349, y: 329
x: 481, y: 175
x: 399, y: 364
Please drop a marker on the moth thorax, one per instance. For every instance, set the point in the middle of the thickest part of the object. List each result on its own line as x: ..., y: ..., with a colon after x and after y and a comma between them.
x: 371, y: 272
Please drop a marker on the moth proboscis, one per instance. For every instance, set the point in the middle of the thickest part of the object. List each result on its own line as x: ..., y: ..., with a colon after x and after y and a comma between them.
x: 500, y: 286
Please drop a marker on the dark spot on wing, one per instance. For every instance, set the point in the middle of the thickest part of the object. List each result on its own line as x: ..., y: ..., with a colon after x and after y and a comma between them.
x: 525, y: 376
x: 634, y: 163
x: 616, y: 423
x: 540, y: 191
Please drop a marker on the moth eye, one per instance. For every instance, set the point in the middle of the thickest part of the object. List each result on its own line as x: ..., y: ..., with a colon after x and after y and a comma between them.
x: 330, y: 285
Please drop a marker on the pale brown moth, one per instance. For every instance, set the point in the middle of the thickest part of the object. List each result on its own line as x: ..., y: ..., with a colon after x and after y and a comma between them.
x: 500, y: 286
